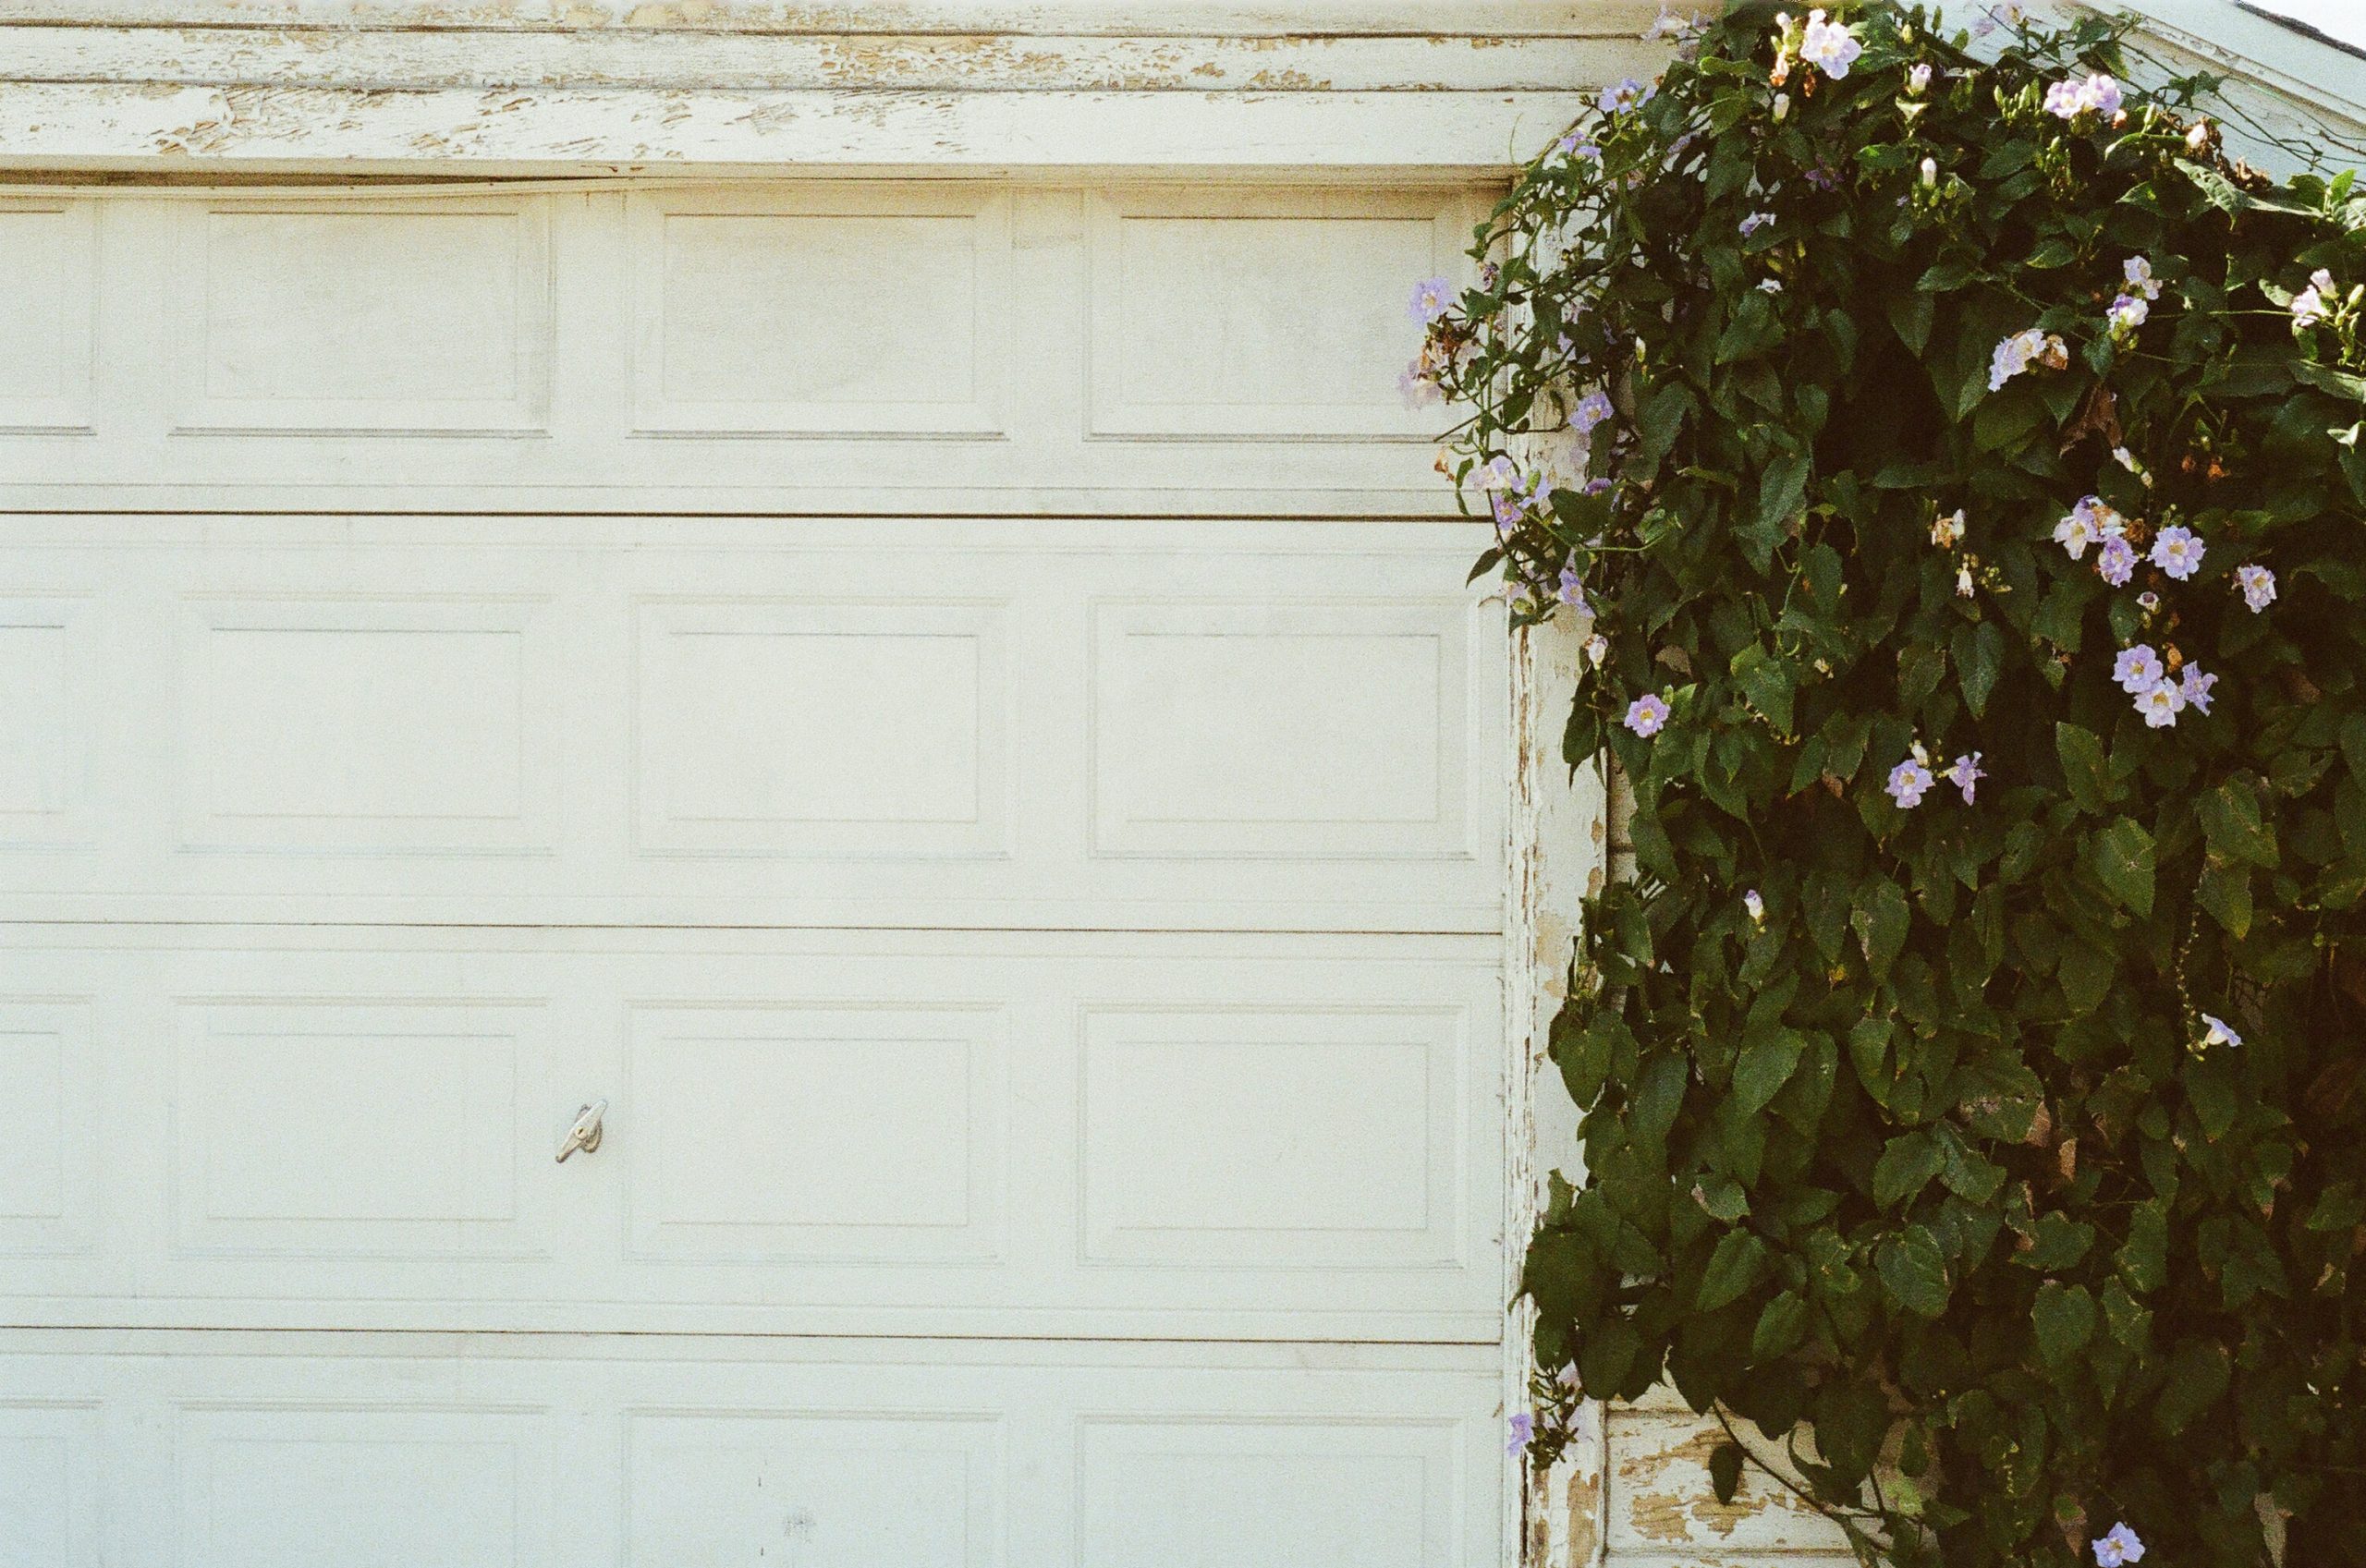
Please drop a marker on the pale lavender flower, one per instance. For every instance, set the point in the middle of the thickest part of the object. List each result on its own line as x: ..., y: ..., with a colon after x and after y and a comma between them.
x: 2127, y: 313
x: 1506, y: 511
x: 1829, y: 46
x: 1597, y: 650
x: 1432, y: 298
x: 2119, y: 1547
x: 2138, y: 669
x: 2194, y: 686
x: 1918, y: 79
x: 1418, y: 389
x: 2148, y: 601
x: 1821, y: 177
x: 2219, y: 1032
x: 1576, y: 148
x: 1498, y: 472
x: 1755, y: 221
x: 1523, y: 1428
x: 1946, y: 531
x: 2070, y: 97
x: 2009, y: 14
x: 2138, y: 272
x: 1756, y: 905
x: 1770, y: 286
x: 2116, y: 561
x: 1597, y: 487
x: 2017, y: 353
x: 1624, y: 94
x: 1647, y: 715
x: 2161, y: 703
x: 1966, y: 774
x: 2177, y: 552
x: 2080, y: 528
x: 1573, y: 590
x: 2311, y: 305
x: 2258, y: 585
x: 1591, y: 409
x: 1908, y: 781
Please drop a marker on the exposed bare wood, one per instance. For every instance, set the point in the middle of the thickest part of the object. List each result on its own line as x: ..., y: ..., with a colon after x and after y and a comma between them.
x: 101, y: 127
x: 717, y: 61
x: 1113, y: 18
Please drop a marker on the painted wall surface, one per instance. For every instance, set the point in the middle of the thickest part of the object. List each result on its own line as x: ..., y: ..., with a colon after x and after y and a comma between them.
x: 1381, y: 113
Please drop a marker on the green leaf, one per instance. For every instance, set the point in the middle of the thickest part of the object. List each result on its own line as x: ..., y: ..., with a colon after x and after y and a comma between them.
x: 1768, y: 681
x: 2121, y: 857
x: 2064, y: 1319
x: 1980, y: 659
x: 1767, y: 1060
x: 1881, y: 919
x: 1906, y: 1167
x: 1913, y: 1270
x: 1781, y: 1327
x: 2083, y: 768
x: 1724, y: 1470
x: 2230, y: 821
x: 1733, y: 1268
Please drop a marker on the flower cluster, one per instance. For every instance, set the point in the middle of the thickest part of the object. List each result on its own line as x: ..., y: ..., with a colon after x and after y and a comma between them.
x: 2093, y: 94
x: 2017, y: 353
x: 1912, y: 778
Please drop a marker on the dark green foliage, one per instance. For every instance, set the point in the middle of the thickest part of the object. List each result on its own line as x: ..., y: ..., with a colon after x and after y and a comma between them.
x: 1939, y: 1156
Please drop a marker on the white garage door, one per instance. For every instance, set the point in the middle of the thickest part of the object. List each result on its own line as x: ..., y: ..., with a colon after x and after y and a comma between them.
x: 1041, y: 975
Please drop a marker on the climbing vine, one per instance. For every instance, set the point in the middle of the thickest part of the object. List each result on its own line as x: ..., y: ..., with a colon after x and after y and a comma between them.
x: 1951, y: 455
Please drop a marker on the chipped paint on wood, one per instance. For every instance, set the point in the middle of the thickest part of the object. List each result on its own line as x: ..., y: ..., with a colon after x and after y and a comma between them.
x: 115, y: 126
x: 388, y: 61
x: 1116, y: 18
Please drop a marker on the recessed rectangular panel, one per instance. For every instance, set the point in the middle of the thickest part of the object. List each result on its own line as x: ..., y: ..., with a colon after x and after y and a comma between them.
x: 1287, y: 730
x: 360, y: 320
x: 875, y: 312
x: 48, y: 255
x: 1269, y: 1494
x: 1260, y: 315
x: 766, y: 1133
x: 350, y: 1128
x: 1223, y: 1137
x: 809, y: 729
x: 49, y: 1127
x: 49, y: 1485
x: 365, y: 725
x: 294, y: 1488
x: 846, y: 1491
x: 46, y: 713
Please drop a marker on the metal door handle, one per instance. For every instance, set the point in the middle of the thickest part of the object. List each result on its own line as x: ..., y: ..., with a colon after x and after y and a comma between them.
x: 585, y: 1134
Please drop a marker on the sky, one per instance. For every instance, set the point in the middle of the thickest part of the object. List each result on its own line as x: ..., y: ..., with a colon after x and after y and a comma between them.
x: 2345, y: 19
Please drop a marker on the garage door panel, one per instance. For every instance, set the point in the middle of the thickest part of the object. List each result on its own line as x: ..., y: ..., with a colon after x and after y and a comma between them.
x: 360, y: 1450
x: 1014, y: 1133
x: 50, y: 1127
x: 1083, y: 725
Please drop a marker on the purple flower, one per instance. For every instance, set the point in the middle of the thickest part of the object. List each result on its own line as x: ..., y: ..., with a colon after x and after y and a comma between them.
x: 2258, y: 585
x: 2138, y: 270
x: 1523, y: 1427
x: 1829, y: 45
x: 2160, y: 703
x: 2031, y: 346
x: 2177, y: 552
x: 2091, y: 520
x: 1591, y: 409
x: 1625, y: 94
x: 2116, y: 561
x: 1756, y: 905
x: 2138, y: 669
x: 1918, y: 79
x: 2119, y: 1547
x: 2070, y: 97
x: 1596, y: 487
x: 1576, y: 148
x: 2220, y: 1032
x: 1573, y: 590
x: 2127, y: 312
x: 1647, y: 715
x: 1908, y: 781
x: 1418, y: 389
x: 2194, y: 686
x: 1505, y: 509
x: 1432, y: 298
x: 1821, y: 177
x: 2312, y: 304
x: 1755, y: 221
x: 1964, y: 775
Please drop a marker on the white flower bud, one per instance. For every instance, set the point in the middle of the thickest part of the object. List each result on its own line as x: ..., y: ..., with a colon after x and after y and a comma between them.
x: 1930, y: 173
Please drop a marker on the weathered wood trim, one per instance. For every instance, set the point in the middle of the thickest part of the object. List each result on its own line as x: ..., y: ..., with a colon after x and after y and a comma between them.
x: 385, y: 61
x: 1142, y: 19
x: 144, y: 126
